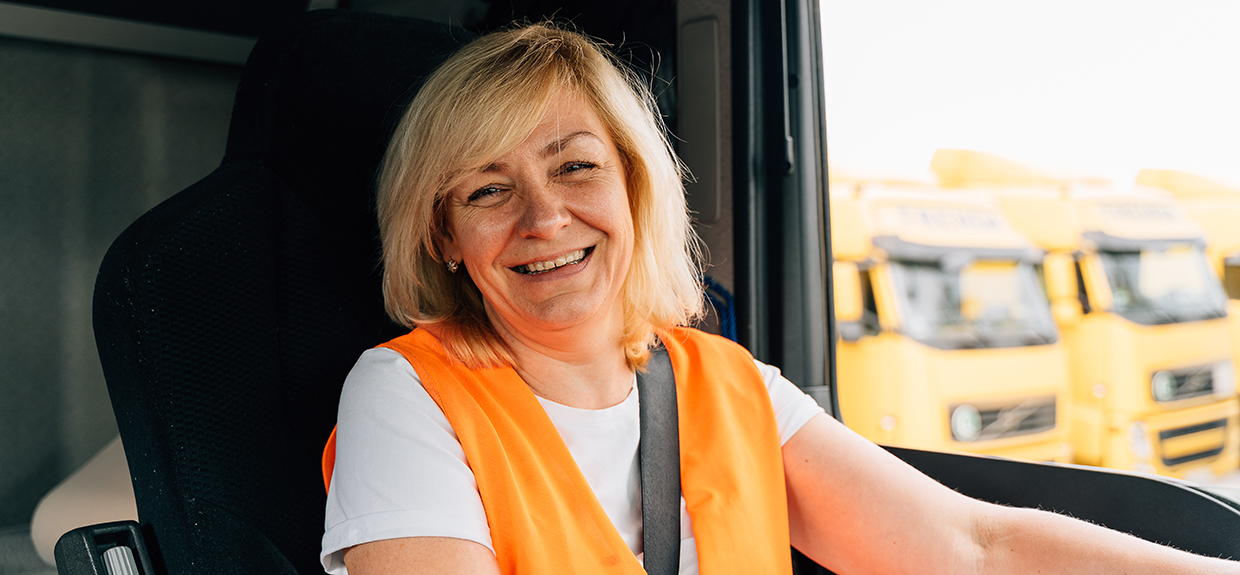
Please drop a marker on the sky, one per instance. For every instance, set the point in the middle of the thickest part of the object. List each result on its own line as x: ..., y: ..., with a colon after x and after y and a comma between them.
x: 1084, y: 87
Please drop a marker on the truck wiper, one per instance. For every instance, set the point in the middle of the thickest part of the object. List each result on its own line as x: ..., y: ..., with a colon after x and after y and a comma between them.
x: 1165, y: 315
x: 1161, y: 315
x: 1036, y: 338
x: 969, y: 340
x: 1018, y: 333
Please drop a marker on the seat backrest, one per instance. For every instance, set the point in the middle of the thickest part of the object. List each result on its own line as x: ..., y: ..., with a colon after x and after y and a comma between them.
x: 228, y: 316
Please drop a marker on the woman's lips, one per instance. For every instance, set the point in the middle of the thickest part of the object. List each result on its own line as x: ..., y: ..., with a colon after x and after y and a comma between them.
x: 567, y: 259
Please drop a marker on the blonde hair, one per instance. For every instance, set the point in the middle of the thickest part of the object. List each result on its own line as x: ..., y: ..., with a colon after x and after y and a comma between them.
x: 479, y: 104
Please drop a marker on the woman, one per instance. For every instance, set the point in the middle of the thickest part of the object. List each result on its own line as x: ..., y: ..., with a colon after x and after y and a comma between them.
x: 535, y: 235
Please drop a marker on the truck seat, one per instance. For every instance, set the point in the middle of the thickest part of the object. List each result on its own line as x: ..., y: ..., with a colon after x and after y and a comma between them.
x: 228, y: 316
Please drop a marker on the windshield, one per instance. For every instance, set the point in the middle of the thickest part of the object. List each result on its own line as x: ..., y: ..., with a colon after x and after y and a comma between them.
x: 981, y: 304
x: 1164, y: 286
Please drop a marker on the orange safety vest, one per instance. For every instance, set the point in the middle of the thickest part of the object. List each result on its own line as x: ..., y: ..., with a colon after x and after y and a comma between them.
x: 542, y: 514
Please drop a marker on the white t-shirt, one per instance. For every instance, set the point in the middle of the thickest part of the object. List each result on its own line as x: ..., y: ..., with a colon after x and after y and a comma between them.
x: 400, y: 470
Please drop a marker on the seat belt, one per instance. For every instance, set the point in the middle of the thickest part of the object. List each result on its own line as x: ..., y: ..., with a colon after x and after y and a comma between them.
x: 659, y: 461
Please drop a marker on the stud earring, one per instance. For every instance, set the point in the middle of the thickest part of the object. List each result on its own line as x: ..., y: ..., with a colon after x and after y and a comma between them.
x: 452, y: 265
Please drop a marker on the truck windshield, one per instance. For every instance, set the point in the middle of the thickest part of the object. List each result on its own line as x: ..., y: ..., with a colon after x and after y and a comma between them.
x: 982, y: 304
x: 1173, y: 285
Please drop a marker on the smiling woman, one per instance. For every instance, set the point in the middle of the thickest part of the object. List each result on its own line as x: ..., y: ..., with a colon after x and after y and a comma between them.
x: 545, y: 231
x: 564, y: 110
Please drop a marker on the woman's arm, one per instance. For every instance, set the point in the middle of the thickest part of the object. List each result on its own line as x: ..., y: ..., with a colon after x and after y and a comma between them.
x: 854, y: 508
x: 421, y: 556
x: 396, y: 453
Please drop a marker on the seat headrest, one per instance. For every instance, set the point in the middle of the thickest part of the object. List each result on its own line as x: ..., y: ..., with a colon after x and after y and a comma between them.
x: 319, y: 100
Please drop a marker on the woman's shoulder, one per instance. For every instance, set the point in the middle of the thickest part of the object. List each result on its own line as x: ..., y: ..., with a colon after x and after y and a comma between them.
x: 380, y: 374
x: 381, y: 360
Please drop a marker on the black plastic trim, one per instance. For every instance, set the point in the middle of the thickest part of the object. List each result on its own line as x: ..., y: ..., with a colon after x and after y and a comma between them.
x: 80, y: 552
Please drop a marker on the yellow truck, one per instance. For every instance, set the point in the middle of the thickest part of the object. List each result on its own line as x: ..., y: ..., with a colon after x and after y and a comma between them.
x: 1216, y: 207
x: 1141, y: 311
x: 946, y: 341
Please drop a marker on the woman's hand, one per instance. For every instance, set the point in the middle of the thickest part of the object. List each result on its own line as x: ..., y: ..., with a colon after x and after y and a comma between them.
x: 421, y: 556
x: 854, y: 508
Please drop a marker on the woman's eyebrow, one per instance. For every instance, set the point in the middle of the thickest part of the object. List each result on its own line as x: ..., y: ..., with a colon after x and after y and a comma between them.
x: 493, y: 167
x: 558, y: 145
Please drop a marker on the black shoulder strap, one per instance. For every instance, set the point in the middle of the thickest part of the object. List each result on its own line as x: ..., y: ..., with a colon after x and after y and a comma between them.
x: 659, y: 459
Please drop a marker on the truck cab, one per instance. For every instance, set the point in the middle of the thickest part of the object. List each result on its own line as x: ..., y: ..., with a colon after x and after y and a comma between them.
x: 943, y: 282
x: 115, y: 106
x: 1216, y: 208
x: 1142, y: 314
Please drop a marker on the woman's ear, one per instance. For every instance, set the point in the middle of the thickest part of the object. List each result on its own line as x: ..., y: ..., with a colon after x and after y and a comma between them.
x: 448, y: 248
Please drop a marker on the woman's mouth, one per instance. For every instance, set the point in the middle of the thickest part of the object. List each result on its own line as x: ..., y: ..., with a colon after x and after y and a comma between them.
x: 567, y: 259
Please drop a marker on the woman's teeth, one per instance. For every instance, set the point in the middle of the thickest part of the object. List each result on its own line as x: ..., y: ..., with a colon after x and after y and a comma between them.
x: 541, y: 267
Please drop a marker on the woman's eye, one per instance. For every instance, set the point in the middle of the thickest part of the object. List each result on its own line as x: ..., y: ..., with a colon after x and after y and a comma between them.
x: 573, y: 167
x: 483, y: 194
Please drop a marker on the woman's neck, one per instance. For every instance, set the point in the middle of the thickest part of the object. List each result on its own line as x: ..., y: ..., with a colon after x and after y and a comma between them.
x: 594, y: 384
x: 583, y: 367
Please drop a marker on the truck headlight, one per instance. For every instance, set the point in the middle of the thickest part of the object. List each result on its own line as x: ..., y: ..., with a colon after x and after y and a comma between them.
x: 1139, y: 441
x: 966, y: 423
x: 1224, y: 378
x: 1163, y: 386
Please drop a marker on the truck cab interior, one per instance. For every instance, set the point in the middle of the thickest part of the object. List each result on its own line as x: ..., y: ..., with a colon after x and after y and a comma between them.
x: 227, y: 317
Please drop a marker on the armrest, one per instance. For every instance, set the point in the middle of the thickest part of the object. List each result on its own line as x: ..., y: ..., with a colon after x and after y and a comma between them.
x: 116, y: 548
x: 1158, y: 509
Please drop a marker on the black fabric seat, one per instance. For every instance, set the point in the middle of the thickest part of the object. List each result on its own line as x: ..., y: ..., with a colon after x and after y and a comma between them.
x: 228, y: 316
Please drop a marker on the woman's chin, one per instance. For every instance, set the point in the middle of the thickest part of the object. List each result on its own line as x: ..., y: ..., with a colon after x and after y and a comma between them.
x: 566, y: 317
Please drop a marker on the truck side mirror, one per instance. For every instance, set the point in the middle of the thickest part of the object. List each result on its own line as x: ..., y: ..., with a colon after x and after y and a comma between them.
x: 1060, y: 272
x: 1231, y: 276
x: 848, y: 305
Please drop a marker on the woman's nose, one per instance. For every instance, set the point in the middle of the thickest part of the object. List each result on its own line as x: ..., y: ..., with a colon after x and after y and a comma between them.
x: 544, y: 213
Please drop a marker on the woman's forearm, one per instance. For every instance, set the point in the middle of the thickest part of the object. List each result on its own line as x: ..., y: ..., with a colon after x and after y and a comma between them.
x: 1013, y: 540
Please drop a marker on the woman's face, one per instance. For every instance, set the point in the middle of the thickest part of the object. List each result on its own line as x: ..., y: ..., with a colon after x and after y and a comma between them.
x: 545, y: 230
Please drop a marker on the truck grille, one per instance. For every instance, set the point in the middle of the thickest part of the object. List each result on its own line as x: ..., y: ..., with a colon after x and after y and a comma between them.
x: 1192, y: 443
x: 1034, y: 415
